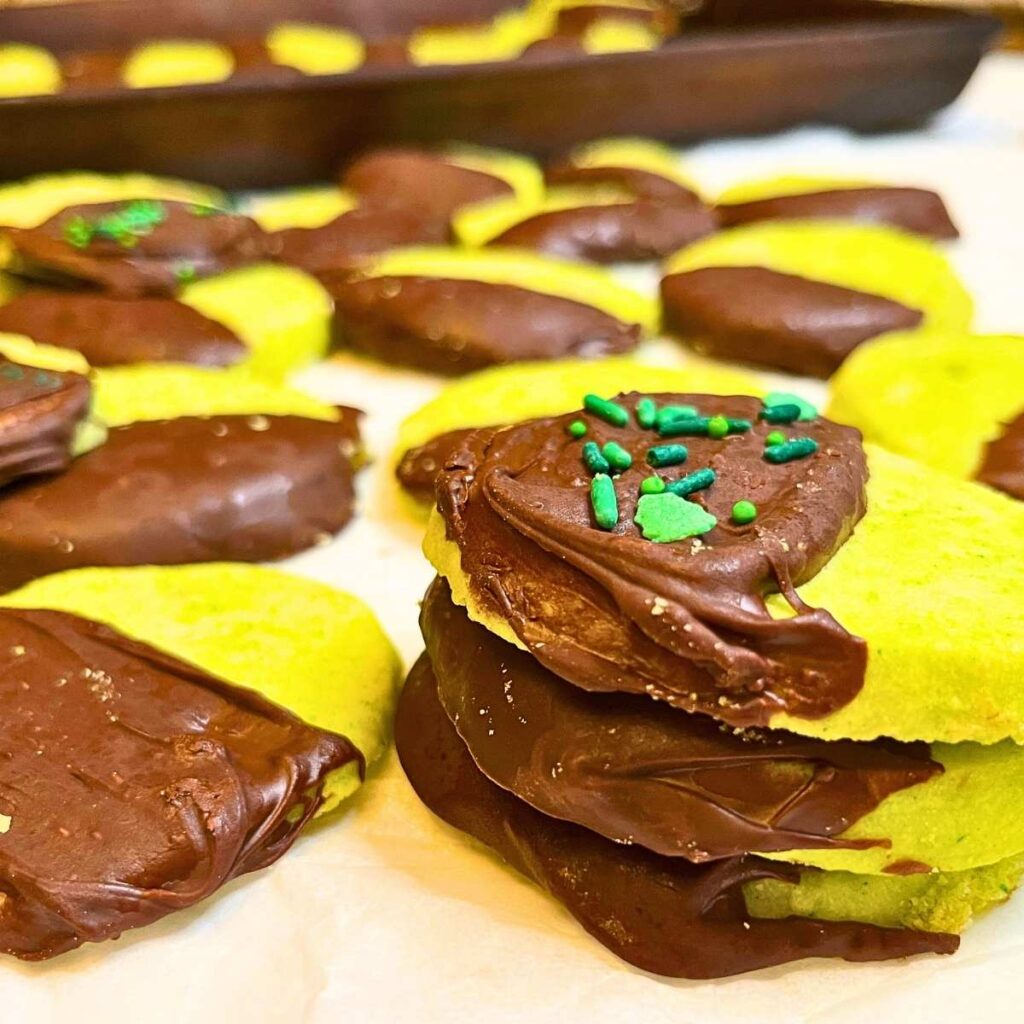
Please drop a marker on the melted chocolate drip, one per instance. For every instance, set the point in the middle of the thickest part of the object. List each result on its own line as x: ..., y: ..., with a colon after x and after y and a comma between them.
x: 779, y: 321
x: 912, y: 209
x: 189, y: 243
x: 683, y: 622
x: 40, y: 410
x: 660, y: 914
x: 641, y: 183
x: 418, y: 469
x: 453, y: 326
x: 1003, y: 464
x: 134, y: 784
x: 110, y: 331
x: 224, y: 488
x: 632, y: 771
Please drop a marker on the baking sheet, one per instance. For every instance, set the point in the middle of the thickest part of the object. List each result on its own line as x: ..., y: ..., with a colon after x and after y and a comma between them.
x: 388, y: 915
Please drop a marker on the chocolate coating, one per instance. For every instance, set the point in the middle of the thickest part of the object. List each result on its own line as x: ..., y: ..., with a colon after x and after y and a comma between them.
x: 110, y: 330
x: 253, y: 63
x: 454, y: 326
x: 426, y: 183
x: 660, y: 914
x: 95, y: 70
x: 188, y: 243
x: 40, y: 411
x: 135, y: 784
x: 778, y: 321
x: 634, y: 771
x: 224, y: 488
x: 643, y: 184
x: 684, y: 622
x: 340, y: 244
x: 417, y: 471
x: 913, y: 209
x: 1003, y: 464
x: 620, y: 233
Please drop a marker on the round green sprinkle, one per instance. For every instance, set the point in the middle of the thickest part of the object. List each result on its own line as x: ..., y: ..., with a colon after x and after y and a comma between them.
x: 578, y: 428
x: 667, y: 455
x: 744, y: 512
x: 798, y: 448
x: 646, y: 413
x: 610, y: 412
x: 718, y: 426
x: 784, y: 412
x: 604, y: 502
x: 594, y: 460
x: 697, y: 481
x: 617, y: 456
x: 775, y: 437
x: 652, y: 485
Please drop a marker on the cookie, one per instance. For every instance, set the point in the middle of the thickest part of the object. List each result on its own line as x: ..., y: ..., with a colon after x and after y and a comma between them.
x: 174, y: 62
x: 28, y: 71
x: 315, y: 49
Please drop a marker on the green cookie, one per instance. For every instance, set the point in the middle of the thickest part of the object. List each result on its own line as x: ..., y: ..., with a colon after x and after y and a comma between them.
x: 939, y: 398
x: 317, y: 651
x: 877, y: 260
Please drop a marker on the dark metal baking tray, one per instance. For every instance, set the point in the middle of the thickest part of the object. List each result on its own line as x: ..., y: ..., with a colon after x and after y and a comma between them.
x: 737, y: 67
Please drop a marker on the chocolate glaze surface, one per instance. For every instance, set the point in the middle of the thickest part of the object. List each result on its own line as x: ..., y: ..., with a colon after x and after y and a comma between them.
x: 683, y: 622
x: 643, y: 184
x: 779, y: 321
x: 111, y: 330
x: 358, y: 233
x: 419, y: 180
x: 620, y: 233
x: 40, y: 410
x: 189, y: 242
x: 454, y: 326
x: 637, y: 772
x: 223, y: 488
x: 912, y: 209
x: 660, y: 914
x: 134, y: 784
x: 1003, y: 464
x: 419, y: 466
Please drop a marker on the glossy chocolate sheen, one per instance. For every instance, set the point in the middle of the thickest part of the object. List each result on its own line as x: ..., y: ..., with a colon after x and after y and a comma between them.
x: 135, y: 785
x: 223, y: 488
x: 619, y: 233
x: 110, y: 330
x: 1003, y: 464
x: 454, y: 326
x: 253, y: 63
x: 40, y: 410
x: 643, y: 184
x: 417, y: 471
x: 637, y: 772
x: 191, y: 242
x: 419, y: 180
x: 661, y: 914
x: 774, y: 320
x: 347, y: 239
x: 683, y: 622
x: 913, y: 209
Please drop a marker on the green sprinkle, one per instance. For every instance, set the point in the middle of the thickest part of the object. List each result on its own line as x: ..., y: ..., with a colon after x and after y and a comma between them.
x: 739, y: 426
x: 676, y: 412
x: 667, y: 455
x: 718, y: 426
x: 604, y: 502
x: 12, y: 371
x: 744, y: 512
x: 594, y: 460
x: 610, y: 412
x: 775, y: 437
x: 184, y: 273
x: 807, y: 411
x: 684, y: 426
x: 798, y: 448
x: 665, y: 518
x: 578, y: 428
x: 617, y: 456
x: 697, y: 481
x: 77, y: 232
x: 646, y: 413
x: 652, y: 485
x: 784, y: 412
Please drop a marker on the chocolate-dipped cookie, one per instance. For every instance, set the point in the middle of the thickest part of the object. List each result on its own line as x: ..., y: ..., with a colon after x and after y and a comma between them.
x: 800, y: 296
x: 315, y: 49
x: 27, y: 70
x: 450, y: 311
x: 605, y: 26
x: 173, y: 62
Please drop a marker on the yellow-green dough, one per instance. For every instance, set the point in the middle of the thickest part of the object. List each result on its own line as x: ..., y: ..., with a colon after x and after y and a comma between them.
x: 301, y: 207
x: 503, y: 38
x: 638, y: 153
x: 317, y: 651
x: 939, y: 398
x: 786, y: 185
x: 868, y: 258
x: 28, y: 71
x: 282, y: 314
x: 167, y: 62
x: 619, y: 35
x: 934, y: 902
x: 315, y: 49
